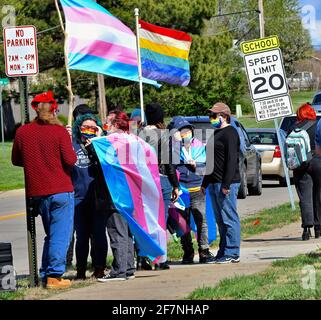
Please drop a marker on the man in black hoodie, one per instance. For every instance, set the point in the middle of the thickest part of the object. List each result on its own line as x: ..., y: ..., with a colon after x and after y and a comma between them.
x: 223, y: 182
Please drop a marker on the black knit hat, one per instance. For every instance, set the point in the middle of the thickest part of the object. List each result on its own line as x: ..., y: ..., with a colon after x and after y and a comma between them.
x: 82, y: 109
x: 154, y: 113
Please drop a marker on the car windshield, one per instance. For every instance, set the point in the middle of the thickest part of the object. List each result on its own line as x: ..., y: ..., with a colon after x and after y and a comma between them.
x: 317, y: 99
x: 263, y: 137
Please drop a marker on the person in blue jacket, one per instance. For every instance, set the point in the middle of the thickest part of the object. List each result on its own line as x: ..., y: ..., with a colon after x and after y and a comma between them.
x: 191, y: 176
x: 89, y: 225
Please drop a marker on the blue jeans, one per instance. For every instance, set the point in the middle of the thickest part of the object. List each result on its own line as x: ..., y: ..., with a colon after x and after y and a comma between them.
x: 167, y: 193
x: 57, y: 212
x: 227, y: 219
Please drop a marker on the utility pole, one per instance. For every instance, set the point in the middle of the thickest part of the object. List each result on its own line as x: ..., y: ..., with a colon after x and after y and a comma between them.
x: 285, y: 168
x: 261, y: 17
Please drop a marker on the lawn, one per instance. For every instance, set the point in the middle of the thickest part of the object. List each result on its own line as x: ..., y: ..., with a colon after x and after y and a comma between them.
x: 11, y: 177
x: 298, y: 278
x: 263, y: 221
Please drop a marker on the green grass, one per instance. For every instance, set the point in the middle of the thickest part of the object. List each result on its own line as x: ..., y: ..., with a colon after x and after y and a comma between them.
x: 263, y: 221
x: 298, y: 98
x: 283, y: 280
x: 11, y: 177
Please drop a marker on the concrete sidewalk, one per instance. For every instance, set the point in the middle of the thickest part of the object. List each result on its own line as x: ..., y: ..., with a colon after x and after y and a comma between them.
x: 257, y: 253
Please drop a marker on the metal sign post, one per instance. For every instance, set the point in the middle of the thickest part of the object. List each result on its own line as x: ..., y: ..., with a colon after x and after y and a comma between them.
x: 267, y: 82
x: 3, y: 82
x: 21, y: 60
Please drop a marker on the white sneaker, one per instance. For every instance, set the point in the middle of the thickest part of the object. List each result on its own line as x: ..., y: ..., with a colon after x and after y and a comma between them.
x: 108, y: 277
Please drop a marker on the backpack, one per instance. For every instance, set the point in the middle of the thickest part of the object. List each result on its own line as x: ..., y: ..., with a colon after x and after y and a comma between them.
x: 297, y: 147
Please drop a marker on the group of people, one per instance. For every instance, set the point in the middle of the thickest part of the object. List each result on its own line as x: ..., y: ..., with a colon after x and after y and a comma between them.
x: 65, y: 182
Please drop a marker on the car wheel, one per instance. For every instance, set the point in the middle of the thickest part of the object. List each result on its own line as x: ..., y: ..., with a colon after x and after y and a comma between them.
x: 243, y: 191
x: 256, y: 188
x: 282, y: 182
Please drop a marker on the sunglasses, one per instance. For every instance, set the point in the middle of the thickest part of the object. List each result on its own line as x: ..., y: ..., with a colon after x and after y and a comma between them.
x: 90, y: 128
x: 213, y: 115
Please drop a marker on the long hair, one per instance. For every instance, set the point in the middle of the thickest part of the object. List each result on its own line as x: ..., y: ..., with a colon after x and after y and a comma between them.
x: 45, y: 115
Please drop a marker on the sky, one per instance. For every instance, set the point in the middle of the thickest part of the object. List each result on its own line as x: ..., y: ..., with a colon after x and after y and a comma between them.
x: 311, y: 17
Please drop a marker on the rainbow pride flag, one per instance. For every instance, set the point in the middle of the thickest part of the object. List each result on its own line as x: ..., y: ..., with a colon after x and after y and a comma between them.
x: 98, y: 42
x: 130, y: 168
x: 164, y: 54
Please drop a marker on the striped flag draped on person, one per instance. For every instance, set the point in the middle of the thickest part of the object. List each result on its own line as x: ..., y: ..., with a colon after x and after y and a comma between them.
x: 130, y: 169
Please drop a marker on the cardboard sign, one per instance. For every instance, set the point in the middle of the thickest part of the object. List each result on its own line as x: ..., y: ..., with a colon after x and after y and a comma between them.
x: 20, y: 48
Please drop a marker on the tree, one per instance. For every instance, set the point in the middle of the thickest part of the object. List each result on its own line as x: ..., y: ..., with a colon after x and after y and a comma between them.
x: 216, y: 68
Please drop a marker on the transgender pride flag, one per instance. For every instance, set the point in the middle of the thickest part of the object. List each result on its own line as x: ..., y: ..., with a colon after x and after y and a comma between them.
x: 130, y: 169
x: 98, y: 42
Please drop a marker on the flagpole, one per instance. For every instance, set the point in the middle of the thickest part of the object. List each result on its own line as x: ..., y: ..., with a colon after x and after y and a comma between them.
x: 103, y: 110
x: 140, y: 77
x: 69, y: 86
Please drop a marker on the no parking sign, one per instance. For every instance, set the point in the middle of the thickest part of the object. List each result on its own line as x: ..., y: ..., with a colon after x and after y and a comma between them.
x: 266, y: 78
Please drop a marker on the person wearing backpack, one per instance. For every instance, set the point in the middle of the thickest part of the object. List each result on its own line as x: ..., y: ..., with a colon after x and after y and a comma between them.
x: 300, y: 157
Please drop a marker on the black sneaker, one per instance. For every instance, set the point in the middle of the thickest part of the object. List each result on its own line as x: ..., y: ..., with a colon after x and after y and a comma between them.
x: 130, y: 276
x: 206, y: 256
x: 188, y: 257
x: 162, y: 266
x: 227, y: 259
x: 109, y: 277
x: 143, y: 263
x: 317, y: 232
x: 81, y: 274
x: 306, y: 234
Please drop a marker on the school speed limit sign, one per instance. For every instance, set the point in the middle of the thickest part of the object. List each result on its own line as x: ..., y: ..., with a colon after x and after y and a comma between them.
x: 266, y: 74
x: 266, y: 78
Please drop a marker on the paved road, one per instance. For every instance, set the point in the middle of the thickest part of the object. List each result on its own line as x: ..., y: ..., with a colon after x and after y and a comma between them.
x: 13, y: 220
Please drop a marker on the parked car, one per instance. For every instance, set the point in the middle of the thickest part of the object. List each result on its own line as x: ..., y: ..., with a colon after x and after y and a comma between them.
x: 316, y: 102
x: 250, y: 159
x: 266, y: 142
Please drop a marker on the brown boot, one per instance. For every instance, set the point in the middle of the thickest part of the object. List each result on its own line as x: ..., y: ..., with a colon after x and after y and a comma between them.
x: 58, y: 283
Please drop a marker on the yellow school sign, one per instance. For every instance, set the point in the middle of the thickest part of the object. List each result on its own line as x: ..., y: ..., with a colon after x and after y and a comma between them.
x: 267, y: 79
x: 259, y: 45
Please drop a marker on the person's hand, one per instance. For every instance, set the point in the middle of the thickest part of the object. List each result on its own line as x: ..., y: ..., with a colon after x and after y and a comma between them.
x: 203, y: 190
x: 88, y: 142
x: 192, y: 163
x: 69, y: 129
x: 175, y: 194
x: 100, y: 131
x: 226, y: 191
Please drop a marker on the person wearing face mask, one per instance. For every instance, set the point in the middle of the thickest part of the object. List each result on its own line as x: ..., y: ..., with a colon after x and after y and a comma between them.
x: 87, y: 222
x: 223, y: 180
x: 191, y: 169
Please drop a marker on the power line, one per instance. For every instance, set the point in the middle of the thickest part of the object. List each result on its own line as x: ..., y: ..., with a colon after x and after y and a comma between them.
x: 43, y: 31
